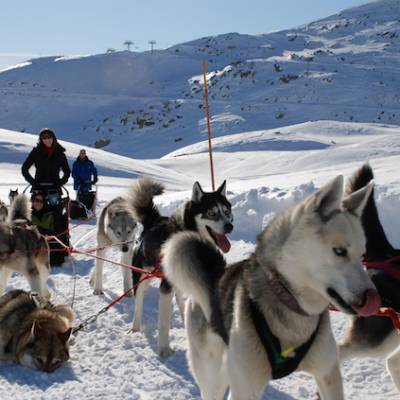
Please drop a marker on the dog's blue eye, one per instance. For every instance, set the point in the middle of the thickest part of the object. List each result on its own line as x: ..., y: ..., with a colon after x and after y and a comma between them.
x: 340, y: 251
x: 211, y: 213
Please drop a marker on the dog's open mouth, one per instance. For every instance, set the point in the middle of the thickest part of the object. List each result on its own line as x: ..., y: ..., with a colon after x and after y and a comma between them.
x: 220, y: 240
x: 370, y: 304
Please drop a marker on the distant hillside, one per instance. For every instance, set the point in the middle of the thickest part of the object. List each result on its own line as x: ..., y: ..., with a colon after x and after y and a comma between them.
x: 345, y: 67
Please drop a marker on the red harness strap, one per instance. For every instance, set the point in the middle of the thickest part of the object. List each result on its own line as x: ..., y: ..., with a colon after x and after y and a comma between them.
x: 383, y: 312
x: 385, y: 266
x: 156, y: 272
x: 392, y: 314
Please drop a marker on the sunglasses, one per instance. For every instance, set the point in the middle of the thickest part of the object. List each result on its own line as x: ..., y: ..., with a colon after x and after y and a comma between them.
x: 38, y: 200
x: 44, y: 137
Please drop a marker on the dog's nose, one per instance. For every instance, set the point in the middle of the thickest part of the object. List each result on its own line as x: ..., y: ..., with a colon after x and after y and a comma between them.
x: 124, y: 248
x: 228, y: 228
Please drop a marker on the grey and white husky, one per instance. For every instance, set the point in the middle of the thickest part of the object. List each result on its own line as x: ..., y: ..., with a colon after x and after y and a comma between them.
x: 266, y: 316
x: 376, y: 336
x: 33, y: 332
x: 115, y: 227
x: 23, y: 249
x: 207, y: 213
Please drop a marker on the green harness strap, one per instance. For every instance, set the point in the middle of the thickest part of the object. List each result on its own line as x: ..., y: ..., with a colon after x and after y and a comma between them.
x: 282, y: 364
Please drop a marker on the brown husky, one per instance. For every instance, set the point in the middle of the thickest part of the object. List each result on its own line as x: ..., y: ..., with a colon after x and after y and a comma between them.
x: 23, y: 249
x: 33, y: 332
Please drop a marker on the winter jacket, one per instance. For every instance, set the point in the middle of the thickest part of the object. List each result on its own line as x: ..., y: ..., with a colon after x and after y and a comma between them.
x: 47, y: 175
x: 82, y: 172
x: 44, y: 221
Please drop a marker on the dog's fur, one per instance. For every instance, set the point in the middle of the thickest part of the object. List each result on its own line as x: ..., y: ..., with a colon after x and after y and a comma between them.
x: 115, y: 225
x: 23, y: 249
x: 306, y: 258
x: 12, y: 195
x: 209, y: 214
x: 375, y: 336
x: 33, y: 332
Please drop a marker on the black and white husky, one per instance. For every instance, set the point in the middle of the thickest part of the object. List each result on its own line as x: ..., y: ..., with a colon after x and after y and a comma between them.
x: 376, y: 336
x: 207, y: 213
x: 266, y: 316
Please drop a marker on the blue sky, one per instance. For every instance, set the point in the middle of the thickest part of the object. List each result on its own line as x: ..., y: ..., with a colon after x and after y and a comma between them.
x: 32, y: 28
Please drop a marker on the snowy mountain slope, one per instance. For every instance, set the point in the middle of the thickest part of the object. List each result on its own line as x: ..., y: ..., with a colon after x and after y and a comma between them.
x: 344, y: 67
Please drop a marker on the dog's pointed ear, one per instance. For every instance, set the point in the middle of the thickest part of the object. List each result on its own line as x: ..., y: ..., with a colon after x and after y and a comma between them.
x: 65, y: 336
x: 197, y: 192
x: 356, y: 202
x: 34, y: 331
x: 222, y: 189
x: 110, y: 213
x: 327, y: 199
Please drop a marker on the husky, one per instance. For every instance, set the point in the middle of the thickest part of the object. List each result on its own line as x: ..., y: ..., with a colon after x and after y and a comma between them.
x: 3, y: 211
x: 33, y: 332
x: 12, y: 195
x: 375, y: 336
x: 23, y: 249
x: 207, y: 213
x: 115, y: 227
x: 266, y: 316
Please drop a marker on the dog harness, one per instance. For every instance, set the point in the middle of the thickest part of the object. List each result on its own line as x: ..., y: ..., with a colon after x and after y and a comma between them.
x: 285, y: 362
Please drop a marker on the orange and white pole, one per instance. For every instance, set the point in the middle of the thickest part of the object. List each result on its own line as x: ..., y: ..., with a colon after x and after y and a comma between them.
x: 208, y: 126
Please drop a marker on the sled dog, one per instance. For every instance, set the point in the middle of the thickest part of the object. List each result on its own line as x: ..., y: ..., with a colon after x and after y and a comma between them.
x: 115, y: 225
x: 12, y: 194
x: 3, y: 212
x: 23, y: 249
x: 207, y: 213
x: 33, y: 332
x: 376, y: 336
x: 266, y: 316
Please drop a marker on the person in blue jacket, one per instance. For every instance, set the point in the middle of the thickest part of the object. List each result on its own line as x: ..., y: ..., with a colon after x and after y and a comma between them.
x: 84, y: 173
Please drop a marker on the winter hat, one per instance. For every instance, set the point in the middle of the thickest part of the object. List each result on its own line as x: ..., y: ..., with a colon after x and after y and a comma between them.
x: 47, y: 132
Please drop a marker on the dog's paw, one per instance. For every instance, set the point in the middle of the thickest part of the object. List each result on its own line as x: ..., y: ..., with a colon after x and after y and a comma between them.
x: 98, y: 292
x: 165, y: 352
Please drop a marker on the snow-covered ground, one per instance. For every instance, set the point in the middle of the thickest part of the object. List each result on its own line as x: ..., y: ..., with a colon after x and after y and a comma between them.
x: 290, y: 110
x: 274, y: 171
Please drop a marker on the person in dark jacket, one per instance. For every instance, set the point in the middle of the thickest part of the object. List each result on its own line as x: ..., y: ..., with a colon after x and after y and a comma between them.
x: 49, y: 159
x: 84, y: 173
x: 42, y: 217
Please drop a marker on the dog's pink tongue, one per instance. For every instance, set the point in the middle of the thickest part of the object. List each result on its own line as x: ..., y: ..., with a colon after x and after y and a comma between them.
x: 371, y: 306
x: 222, y: 242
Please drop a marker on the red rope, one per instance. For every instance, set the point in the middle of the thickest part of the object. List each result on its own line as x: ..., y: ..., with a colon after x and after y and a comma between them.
x: 147, y: 275
x: 154, y: 273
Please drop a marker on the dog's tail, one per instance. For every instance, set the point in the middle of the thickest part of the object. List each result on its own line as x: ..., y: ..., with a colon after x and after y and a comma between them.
x: 378, y: 246
x: 194, y: 266
x: 140, y: 200
x: 20, y: 209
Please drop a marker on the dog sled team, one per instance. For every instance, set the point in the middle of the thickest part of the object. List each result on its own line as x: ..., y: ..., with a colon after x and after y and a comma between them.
x: 256, y: 320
